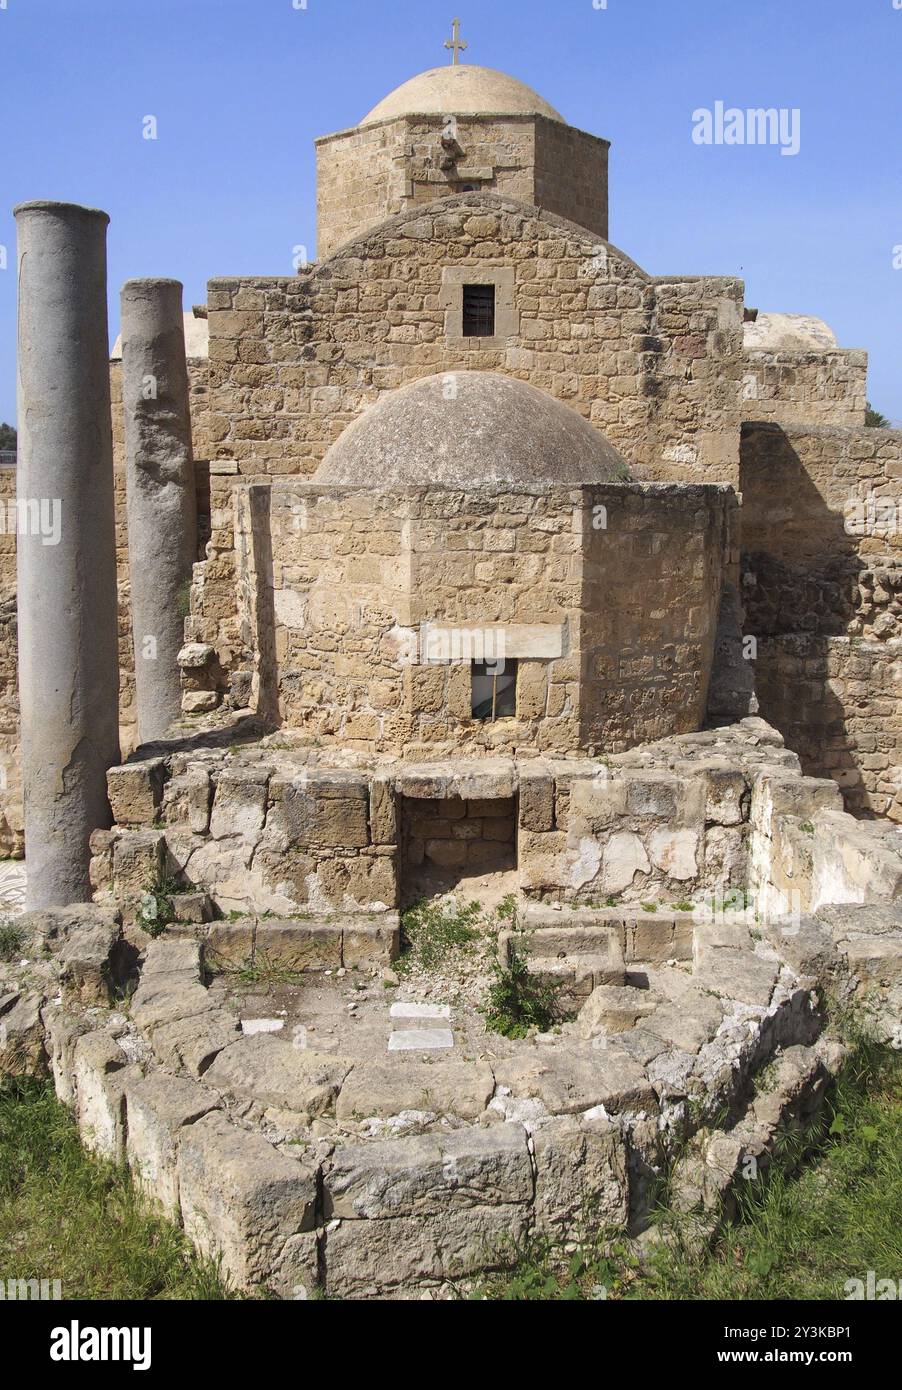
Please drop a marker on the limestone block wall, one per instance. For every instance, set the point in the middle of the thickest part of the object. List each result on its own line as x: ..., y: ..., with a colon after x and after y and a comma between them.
x: 630, y: 836
x: 607, y: 598
x: 811, y: 493
x: 7, y: 534
x: 655, y: 364
x: 822, y: 567
x: 653, y: 576
x: 370, y: 173
x: 471, y: 836
x: 838, y: 703
x: 806, y: 388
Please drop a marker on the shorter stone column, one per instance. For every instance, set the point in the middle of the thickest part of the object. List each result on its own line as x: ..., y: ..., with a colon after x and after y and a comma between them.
x: 160, y: 493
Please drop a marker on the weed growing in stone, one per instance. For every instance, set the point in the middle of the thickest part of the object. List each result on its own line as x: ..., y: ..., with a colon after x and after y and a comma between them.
x: 12, y: 940
x: 156, y: 912
x: 431, y: 931
x: 517, y: 1002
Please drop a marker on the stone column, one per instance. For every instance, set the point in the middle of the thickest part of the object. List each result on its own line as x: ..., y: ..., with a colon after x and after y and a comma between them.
x: 68, y: 638
x: 160, y: 490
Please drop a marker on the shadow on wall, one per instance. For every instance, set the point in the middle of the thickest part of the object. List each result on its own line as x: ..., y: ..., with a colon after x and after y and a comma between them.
x: 795, y: 696
x: 800, y: 588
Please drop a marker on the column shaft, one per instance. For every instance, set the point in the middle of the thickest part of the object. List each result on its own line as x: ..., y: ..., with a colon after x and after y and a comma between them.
x: 67, y: 605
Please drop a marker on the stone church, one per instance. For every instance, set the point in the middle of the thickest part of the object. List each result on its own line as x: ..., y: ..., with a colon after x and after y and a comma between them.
x: 469, y: 553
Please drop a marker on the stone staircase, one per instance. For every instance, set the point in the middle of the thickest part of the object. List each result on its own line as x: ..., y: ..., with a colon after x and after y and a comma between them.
x: 577, y: 949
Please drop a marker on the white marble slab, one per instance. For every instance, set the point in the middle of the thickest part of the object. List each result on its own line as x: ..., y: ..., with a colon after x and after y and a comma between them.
x: 420, y: 1011
x: 420, y: 1039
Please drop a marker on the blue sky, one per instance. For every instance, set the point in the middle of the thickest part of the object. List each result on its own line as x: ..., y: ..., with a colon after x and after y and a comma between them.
x: 241, y: 87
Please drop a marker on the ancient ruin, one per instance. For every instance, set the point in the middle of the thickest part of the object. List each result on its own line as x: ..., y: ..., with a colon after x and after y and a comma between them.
x: 470, y: 564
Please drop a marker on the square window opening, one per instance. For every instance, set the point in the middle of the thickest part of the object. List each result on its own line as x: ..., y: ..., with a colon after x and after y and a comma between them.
x: 479, y: 311
x: 494, y: 690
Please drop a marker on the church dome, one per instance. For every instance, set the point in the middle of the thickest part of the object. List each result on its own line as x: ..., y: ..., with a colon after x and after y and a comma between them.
x: 470, y: 429
x: 461, y: 89
x: 789, y: 333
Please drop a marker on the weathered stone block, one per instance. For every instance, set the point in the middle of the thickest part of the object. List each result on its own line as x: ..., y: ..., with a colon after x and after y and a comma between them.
x: 248, y: 1205
x: 581, y: 1177
x: 136, y: 791
x: 448, y: 1088
x: 299, y: 945
x: 265, y: 1069
x: 369, y: 944
x: 101, y: 1074
x: 429, y: 1174
x: 158, y: 1108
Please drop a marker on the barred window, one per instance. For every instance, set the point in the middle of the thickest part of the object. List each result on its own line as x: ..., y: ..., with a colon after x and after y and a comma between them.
x: 479, y: 311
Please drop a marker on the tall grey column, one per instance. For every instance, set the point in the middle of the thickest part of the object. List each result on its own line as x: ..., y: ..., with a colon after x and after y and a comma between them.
x: 160, y: 491
x: 68, y: 658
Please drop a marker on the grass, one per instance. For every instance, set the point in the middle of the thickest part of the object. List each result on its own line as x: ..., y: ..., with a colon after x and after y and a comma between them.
x: 829, y: 1209
x: 431, y: 932
x: 67, y: 1216
x: 261, y: 971
x: 12, y: 940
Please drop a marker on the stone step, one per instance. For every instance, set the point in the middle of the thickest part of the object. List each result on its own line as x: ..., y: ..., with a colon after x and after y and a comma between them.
x: 664, y: 934
x: 577, y: 976
x: 570, y: 941
x: 305, y: 943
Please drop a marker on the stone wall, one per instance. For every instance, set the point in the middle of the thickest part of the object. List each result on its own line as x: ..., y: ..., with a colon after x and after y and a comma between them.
x: 267, y: 829
x: 810, y: 495
x: 822, y: 567
x: 654, y: 364
x: 370, y: 173
x: 838, y: 703
x: 607, y: 598
x: 473, y: 837
x: 806, y: 388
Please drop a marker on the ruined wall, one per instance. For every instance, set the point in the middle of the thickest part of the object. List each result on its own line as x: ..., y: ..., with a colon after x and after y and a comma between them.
x: 370, y: 173
x: 822, y: 566
x: 655, y: 365
x: 606, y: 596
x: 806, y: 852
x: 838, y: 703
x: 806, y: 388
x: 653, y: 575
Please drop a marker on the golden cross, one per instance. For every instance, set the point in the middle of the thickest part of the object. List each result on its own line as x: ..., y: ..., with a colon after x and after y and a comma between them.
x: 456, y: 43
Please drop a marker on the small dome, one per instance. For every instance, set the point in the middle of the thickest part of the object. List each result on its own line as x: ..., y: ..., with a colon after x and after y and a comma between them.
x: 462, y: 89
x: 788, y: 333
x: 470, y: 429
